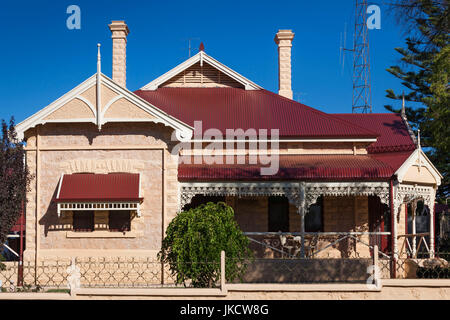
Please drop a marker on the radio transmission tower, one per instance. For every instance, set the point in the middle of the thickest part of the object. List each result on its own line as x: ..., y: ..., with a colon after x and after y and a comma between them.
x: 362, y: 95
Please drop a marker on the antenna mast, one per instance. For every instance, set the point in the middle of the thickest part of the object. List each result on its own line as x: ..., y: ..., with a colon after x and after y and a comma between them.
x: 190, y: 46
x: 362, y: 95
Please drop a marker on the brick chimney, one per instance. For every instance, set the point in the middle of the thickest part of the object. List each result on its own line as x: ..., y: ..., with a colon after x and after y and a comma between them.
x: 119, y: 32
x: 284, y: 41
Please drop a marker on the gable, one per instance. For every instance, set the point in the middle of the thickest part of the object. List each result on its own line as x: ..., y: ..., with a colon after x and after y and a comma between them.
x: 201, y: 70
x: 418, y: 169
x: 419, y: 175
x: 100, y: 100
x: 202, y: 76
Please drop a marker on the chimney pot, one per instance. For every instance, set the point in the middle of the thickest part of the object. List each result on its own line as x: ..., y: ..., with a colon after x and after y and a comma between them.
x: 119, y: 33
x: 284, y: 41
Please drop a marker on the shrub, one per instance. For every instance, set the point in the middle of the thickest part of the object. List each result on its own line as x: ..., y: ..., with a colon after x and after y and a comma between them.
x: 194, y: 240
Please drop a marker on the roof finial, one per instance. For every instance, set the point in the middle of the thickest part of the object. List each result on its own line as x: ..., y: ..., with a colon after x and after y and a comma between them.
x: 99, y: 86
x: 99, y: 59
x: 419, y: 147
x: 403, y: 113
x: 418, y: 139
x: 202, y: 47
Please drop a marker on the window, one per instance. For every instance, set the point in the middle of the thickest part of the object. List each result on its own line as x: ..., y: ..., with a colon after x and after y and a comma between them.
x: 422, y: 218
x: 83, y: 221
x: 119, y: 221
x: 278, y: 214
x: 314, y: 218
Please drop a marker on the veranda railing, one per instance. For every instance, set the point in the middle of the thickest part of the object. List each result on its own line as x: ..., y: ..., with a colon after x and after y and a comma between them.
x: 306, y: 244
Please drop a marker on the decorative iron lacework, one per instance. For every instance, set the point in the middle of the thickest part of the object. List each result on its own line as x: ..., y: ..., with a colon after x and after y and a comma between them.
x: 408, y: 193
x: 342, y: 189
x: 300, y: 194
x: 293, y: 191
x: 412, y: 193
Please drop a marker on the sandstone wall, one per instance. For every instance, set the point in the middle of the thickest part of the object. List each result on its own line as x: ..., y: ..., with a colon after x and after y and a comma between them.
x: 55, y: 149
x: 346, y: 214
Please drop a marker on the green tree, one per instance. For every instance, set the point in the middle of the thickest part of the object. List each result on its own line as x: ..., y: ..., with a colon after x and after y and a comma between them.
x: 14, y: 178
x: 424, y: 70
x: 194, y: 240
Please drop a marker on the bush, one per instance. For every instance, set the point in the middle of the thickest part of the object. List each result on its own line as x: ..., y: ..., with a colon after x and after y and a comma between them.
x: 194, y: 240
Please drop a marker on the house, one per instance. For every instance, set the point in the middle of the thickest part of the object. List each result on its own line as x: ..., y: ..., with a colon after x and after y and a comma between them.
x: 112, y: 167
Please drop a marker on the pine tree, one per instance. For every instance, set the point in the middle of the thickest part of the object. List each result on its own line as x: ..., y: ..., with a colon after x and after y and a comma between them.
x: 425, y: 70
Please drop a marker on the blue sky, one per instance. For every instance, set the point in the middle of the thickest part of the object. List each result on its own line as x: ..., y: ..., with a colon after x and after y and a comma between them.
x: 41, y: 59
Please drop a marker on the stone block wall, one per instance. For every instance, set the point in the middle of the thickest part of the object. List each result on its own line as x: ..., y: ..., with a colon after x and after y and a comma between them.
x: 251, y: 213
x: 346, y: 214
x: 133, y: 148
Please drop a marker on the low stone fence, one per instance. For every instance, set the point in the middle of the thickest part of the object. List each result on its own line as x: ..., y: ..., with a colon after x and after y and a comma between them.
x: 308, y: 271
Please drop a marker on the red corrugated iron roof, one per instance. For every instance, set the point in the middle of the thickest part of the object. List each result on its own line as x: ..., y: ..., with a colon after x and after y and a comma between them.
x: 392, y: 130
x: 393, y: 159
x: 99, y: 187
x: 233, y: 108
x: 293, y: 167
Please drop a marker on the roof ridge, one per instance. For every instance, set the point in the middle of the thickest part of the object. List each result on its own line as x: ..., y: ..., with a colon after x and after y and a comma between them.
x: 365, y: 114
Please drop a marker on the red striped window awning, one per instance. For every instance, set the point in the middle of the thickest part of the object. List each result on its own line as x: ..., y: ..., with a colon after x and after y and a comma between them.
x: 86, y: 191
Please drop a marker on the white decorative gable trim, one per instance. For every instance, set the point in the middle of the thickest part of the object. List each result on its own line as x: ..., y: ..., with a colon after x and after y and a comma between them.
x: 38, y: 117
x: 418, y: 158
x: 183, y: 131
x: 201, y: 57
